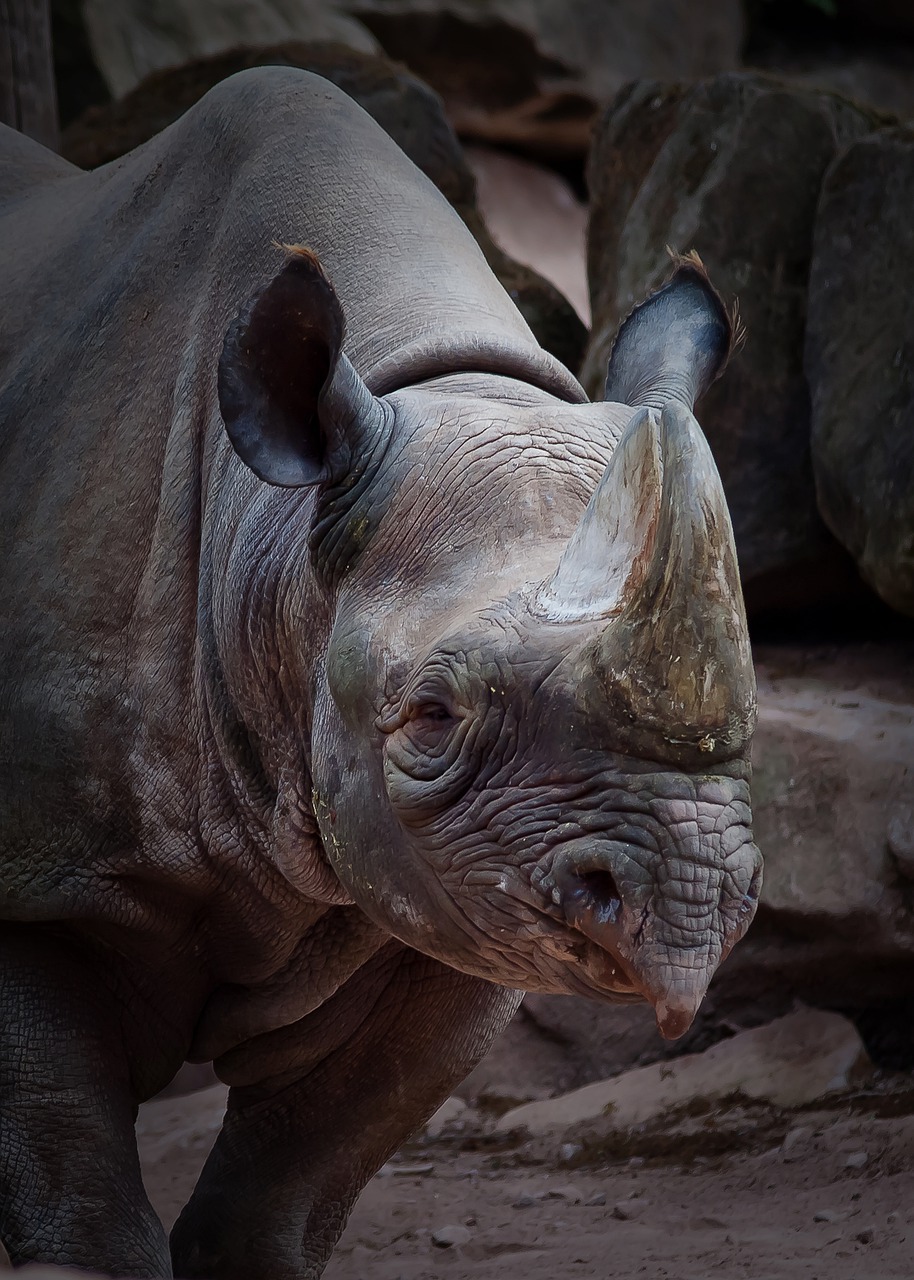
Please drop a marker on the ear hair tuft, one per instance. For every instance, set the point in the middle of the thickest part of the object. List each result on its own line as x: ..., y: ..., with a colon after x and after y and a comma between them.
x: 300, y: 251
x: 691, y: 263
x: 676, y: 343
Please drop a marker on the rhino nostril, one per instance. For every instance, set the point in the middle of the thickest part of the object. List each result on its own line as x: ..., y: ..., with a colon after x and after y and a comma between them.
x: 603, y: 892
x: 598, y: 892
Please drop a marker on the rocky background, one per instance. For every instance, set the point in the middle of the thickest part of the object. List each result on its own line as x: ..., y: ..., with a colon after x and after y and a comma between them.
x: 578, y: 140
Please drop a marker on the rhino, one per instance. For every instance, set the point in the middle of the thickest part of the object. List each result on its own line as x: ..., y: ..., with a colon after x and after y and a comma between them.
x: 358, y: 673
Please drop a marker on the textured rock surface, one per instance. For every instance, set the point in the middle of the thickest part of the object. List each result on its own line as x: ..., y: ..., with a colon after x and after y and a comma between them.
x: 132, y: 38
x: 833, y: 787
x: 731, y: 167
x: 833, y: 770
x: 535, y: 217
x: 525, y: 71
x: 410, y: 112
x: 875, y: 78
x: 531, y: 72
x: 791, y: 1062
x: 860, y: 359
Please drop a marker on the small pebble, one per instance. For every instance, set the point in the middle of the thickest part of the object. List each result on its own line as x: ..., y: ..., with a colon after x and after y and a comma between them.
x: 636, y: 1162
x: 524, y: 1201
x: 446, y: 1114
x: 856, y: 1160
x: 569, y: 1151
x: 794, y: 1141
x: 627, y: 1210
x: 827, y: 1215
x: 570, y: 1195
x: 451, y: 1236
x: 596, y: 1200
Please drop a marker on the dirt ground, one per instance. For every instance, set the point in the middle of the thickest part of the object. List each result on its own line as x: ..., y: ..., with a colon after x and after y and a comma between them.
x: 824, y: 1194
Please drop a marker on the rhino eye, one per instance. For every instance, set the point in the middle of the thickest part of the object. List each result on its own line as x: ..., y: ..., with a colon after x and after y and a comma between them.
x: 426, y: 764
x: 432, y: 713
x: 429, y: 724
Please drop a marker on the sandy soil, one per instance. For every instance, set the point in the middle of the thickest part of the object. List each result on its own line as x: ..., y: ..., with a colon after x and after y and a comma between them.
x: 750, y: 1213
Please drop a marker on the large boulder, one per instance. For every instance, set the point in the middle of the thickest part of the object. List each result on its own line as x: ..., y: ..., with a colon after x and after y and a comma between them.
x: 130, y: 39
x: 408, y: 109
x: 858, y: 56
x: 532, y: 72
x: 860, y: 359
x: 731, y: 167
x: 536, y: 217
x: 792, y: 1062
x: 870, y: 76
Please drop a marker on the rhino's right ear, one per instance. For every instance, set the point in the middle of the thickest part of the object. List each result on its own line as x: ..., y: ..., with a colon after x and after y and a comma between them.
x: 294, y: 408
x: 672, y: 346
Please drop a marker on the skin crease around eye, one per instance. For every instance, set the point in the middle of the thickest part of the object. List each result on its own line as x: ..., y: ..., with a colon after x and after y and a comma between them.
x: 429, y: 724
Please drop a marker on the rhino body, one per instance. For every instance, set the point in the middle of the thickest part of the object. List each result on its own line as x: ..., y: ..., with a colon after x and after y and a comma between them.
x: 346, y: 692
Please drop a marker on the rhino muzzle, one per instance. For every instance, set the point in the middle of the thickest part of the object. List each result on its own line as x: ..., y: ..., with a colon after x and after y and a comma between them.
x: 664, y: 943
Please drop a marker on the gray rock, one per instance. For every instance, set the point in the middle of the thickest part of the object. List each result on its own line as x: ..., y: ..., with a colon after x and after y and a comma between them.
x: 794, y: 1144
x: 857, y: 1160
x: 628, y: 1210
x: 569, y: 1194
x: 828, y: 1215
x: 452, y: 1236
x: 869, y: 80
x: 531, y: 73
x: 534, y: 216
x: 827, y: 768
x: 132, y: 38
x: 731, y: 167
x: 790, y: 1063
x: 900, y: 839
x: 831, y: 766
x: 859, y: 358
x: 597, y: 1200
x: 449, y: 1111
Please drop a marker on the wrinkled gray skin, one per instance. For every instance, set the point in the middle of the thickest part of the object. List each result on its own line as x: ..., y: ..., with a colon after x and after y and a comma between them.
x: 320, y: 806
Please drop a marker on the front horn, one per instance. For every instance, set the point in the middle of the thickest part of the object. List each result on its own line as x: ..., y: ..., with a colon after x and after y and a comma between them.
x: 654, y: 555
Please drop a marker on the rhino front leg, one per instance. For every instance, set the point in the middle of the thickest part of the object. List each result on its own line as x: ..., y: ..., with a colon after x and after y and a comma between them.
x: 346, y: 1087
x: 70, y: 1185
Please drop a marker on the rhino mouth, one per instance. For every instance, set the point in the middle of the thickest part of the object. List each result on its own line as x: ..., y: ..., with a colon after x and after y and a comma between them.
x: 593, y: 965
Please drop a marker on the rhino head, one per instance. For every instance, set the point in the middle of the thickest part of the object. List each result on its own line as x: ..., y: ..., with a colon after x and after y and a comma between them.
x: 531, y: 713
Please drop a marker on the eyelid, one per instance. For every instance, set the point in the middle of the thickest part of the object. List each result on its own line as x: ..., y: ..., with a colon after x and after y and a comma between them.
x: 410, y: 707
x: 419, y: 703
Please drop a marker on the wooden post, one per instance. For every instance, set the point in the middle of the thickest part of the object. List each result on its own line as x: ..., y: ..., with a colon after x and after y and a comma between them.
x: 28, y: 100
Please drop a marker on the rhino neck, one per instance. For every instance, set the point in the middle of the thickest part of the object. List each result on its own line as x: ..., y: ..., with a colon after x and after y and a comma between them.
x: 418, y: 295
x: 471, y: 353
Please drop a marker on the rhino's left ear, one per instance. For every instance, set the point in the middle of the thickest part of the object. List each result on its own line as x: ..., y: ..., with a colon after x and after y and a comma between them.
x: 673, y: 346
x: 294, y: 408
